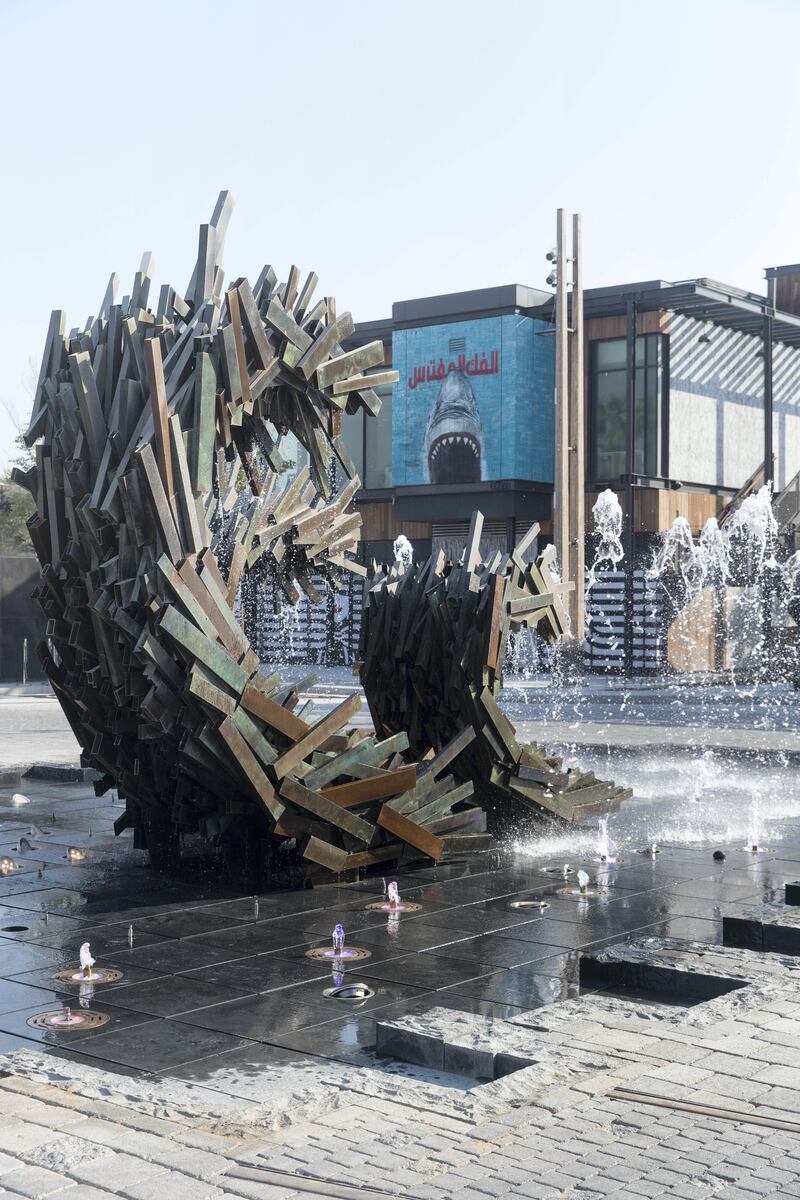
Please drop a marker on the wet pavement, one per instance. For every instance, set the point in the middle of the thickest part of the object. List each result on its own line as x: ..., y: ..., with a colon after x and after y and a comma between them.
x: 212, y: 979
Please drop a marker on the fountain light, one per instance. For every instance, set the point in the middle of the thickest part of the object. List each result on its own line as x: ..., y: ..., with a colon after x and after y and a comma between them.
x: 7, y: 865
x: 338, y: 950
x: 74, y: 854
x: 18, y: 800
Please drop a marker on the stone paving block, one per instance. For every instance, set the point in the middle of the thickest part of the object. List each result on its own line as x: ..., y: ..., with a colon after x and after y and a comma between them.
x: 116, y: 1171
x: 7, y: 1163
x: 199, y: 1164
x: 251, y: 1190
x: 64, y: 1152
x: 17, y: 1135
x: 201, y: 1139
x: 169, y: 1184
x: 80, y: 1191
x: 33, y: 1181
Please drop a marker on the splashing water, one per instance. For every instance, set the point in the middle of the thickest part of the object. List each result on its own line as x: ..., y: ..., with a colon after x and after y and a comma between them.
x: 754, y: 830
x: 338, y: 938
x: 607, y: 514
x: 705, y: 776
x: 606, y: 846
x: 87, y: 962
x: 583, y: 882
x: 393, y: 893
x: 403, y: 551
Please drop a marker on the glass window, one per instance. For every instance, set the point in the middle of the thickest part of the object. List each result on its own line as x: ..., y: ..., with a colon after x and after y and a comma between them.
x: 353, y: 438
x: 609, y: 407
x: 378, y: 469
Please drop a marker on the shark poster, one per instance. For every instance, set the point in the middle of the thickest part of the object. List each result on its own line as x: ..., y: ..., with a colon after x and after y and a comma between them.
x: 474, y: 402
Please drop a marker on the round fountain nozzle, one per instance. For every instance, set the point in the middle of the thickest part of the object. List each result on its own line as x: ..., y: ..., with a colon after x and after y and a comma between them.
x: 354, y: 992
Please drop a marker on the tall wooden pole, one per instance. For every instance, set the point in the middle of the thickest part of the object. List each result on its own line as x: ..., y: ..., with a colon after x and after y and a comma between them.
x: 561, y: 459
x: 577, y: 457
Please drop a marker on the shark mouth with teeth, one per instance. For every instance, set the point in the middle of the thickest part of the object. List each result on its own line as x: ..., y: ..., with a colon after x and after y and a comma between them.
x: 453, y: 439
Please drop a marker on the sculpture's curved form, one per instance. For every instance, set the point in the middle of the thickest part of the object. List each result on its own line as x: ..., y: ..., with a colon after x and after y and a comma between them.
x: 433, y: 644
x: 158, y: 482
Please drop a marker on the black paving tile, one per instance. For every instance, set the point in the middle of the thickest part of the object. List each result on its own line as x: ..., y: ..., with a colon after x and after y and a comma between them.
x: 171, y: 995
x: 260, y: 973
x: 524, y: 987
x: 428, y: 971
x: 262, y: 1018
x: 155, y: 1045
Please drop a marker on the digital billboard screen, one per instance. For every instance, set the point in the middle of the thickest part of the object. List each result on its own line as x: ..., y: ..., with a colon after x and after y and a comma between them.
x: 474, y: 402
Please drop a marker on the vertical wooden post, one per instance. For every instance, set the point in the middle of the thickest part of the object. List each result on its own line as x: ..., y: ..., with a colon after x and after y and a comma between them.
x: 577, y: 457
x: 630, y: 473
x: 561, y: 458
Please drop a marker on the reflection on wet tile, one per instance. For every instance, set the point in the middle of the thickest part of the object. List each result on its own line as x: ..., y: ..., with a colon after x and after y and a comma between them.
x: 351, y: 1038
x: 155, y: 1045
x: 262, y: 1018
x: 429, y: 971
x: 170, y: 995
x: 524, y: 987
x: 261, y: 973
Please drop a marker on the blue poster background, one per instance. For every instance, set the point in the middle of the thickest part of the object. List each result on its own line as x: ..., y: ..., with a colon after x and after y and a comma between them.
x: 499, y: 393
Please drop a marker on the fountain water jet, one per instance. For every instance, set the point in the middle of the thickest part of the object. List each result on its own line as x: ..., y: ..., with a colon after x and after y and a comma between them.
x: 606, y: 846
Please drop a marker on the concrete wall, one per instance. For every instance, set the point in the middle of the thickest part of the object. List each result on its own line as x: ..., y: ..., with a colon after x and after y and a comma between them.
x: 716, y: 405
x: 20, y: 617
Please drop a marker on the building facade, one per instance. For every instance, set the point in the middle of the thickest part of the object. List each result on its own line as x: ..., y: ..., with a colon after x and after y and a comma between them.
x: 470, y: 422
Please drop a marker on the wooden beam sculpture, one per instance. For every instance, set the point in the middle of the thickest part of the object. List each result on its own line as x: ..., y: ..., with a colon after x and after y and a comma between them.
x: 433, y: 645
x: 158, y: 485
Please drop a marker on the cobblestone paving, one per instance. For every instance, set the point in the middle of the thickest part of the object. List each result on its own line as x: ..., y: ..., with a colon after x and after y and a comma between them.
x: 723, y: 1074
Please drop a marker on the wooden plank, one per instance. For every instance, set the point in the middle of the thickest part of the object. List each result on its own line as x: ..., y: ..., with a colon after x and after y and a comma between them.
x: 354, y: 362
x: 194, y: 643
x: 501, y: 724
x: 365, y: 751
x: 325, y: 344
x: 317, y: 735
x: 158, y: 407
x: 409, y: 832
x: 361, y: 791
x: 327, y: 810
x: 326, y: 855
x: 274, y: 715
x: 249, y: 766
x: 358, y: 383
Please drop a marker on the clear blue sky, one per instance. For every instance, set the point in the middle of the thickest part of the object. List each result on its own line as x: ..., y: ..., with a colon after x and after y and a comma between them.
x: 398, y: 149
